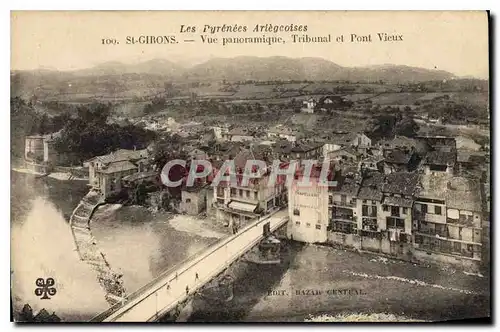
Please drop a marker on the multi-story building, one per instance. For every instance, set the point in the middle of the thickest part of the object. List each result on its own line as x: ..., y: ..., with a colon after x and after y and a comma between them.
x: 194, y: 199
x: 448, y: 220
x: 106, y: 172
x: 399, y: 190
x: 39, y: 152
x: 312, y: 151
x: 238, y: 203
x: 369, y: 208
x: 308, y: 209
x: 414, y: 216
x: 343, y: 211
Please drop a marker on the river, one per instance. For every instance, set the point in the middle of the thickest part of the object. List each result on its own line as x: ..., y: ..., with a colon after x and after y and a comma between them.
x: 141, y: 245
x: 135, y: 241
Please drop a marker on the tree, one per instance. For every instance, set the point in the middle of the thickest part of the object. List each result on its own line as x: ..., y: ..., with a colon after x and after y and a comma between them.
x: 406, y: 127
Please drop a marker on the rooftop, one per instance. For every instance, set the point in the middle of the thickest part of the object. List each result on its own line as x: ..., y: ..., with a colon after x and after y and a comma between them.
x: 371, y: 186
x: 398, y: 156
x: 347, y: 186
x: 398, y: 201
x: 403, y: 183
x: 117, y: 166
x: 240, y: 131
x: 440, y: 158
x: 140, y: 176
x: 463, y: 194
x: 121, y: 155
x: 458, y: 192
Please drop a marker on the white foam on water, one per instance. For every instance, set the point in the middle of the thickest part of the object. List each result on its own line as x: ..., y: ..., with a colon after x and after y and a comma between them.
x: 409, y: 281
x: 42, y: 247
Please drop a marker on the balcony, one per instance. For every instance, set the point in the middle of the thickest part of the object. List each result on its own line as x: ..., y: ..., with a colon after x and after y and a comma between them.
x: 342, y: 204
x: 436, y: 218
x: 343, y: 217
x: 461, y: 221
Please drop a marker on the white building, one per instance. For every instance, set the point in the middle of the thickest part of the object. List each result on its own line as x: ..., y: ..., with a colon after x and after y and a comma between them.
x: 308, y: 211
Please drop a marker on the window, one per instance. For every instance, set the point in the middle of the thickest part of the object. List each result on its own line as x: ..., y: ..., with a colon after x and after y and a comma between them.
x: 437, y: 210
x: 394, y: 210
x: 255, y: 195
x: 248, y: 193
x: 297, y: 223
x: 395, y: 222
x: 241, y: 192
x: 385, y: 207
x: 188, y: 200
x: 344, y: 227
x: 469, y: 247
x: 364, y: 201
x: 318, y: 226
x: 441, y: 230
x: 405, y: 210
x: 424, y: 208
x: 296, y: 212
x: 308, y: 225
x: 233, y: 191
x: 457, y: 247
x: 364, y: 210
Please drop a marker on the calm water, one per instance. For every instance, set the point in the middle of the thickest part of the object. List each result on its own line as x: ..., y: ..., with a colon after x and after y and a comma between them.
x: 135, y: 242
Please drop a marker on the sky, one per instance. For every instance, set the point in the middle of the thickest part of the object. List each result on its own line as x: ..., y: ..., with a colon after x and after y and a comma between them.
x: 453, y: 41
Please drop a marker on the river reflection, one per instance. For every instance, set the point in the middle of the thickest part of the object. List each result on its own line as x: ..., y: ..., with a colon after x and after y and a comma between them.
x: 137, y: 243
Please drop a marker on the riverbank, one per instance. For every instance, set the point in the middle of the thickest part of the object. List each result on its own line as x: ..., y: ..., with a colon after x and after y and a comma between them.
x: 54, y: 175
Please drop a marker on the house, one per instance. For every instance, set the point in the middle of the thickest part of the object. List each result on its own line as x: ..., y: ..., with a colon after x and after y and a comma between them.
x: 357, y: 140
x: 194, y: 199
x: 238, y: 203
x: 439, y: 143
x: 40, y: 154
x: 333, y: 103
x: 398, y: 160
x: 308, y: 209
x: 439, y: 161
x: 448, y: 221
x: 465, y: 143
x: 241, y: 135
x: 401, y: 142
x: 282, y: 132
x: 346, y: 154
x: 371, y: 163
x: 343, y: 213
x: 306, y: 150
x: 221, y: 132
x: 330, y: 147
x: 399, y: 190
x: 106, y: 172
x: 308, y: 105
x: 369, y: 207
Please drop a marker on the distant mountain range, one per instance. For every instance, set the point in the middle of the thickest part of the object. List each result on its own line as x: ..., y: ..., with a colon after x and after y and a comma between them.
x: 255, y: 68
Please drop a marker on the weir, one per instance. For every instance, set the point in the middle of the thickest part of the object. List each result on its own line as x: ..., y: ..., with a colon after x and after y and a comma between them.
x: 87, y: 249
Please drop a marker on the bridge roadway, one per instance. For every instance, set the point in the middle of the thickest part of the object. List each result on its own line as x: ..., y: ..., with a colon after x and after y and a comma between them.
x: 162, y: 294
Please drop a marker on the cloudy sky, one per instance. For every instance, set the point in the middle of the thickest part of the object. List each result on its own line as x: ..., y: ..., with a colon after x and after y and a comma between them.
x: 451, y: 41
